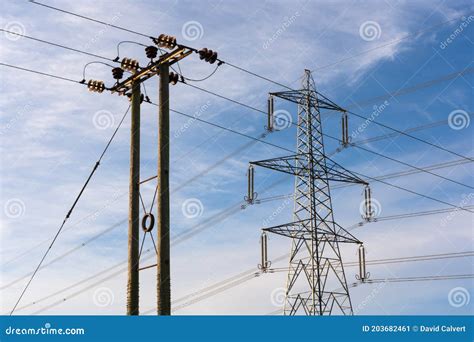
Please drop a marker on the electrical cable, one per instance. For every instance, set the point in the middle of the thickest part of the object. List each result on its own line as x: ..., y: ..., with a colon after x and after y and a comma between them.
x: 70, y: 210
x: 41, y: 73
x: 274, y: 145
x: 410, y: 136
x: 403, y: 163
x: 57, y: 45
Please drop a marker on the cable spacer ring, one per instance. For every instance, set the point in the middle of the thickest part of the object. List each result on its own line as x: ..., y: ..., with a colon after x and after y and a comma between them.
x: 147, y: 225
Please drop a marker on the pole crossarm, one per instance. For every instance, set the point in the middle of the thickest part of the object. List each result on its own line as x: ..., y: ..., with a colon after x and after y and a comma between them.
x: 299, y: 165
x: 152, y: 69
x: 302, y: 230
x: 299, y: 96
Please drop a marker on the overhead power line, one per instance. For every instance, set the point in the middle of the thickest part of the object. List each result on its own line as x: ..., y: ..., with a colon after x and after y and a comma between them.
x: 423, y: 278
x: 250, y: 274
x: 399, y: 92
x: 410, y: 136
x: 372, y: 178
x: 41, y: 73
x: 88, y: 18
x: 387, y: 176
x: 253, y: 108
x: 416, y: 87
x: 176, y: 239
x: 404, y: 163
x: 240, y: 278
x: 57, y: 45
x: 424, y: 30
x: 71, y: 209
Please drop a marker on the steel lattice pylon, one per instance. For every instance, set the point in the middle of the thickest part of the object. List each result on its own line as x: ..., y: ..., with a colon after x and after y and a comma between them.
x: 316, y: 283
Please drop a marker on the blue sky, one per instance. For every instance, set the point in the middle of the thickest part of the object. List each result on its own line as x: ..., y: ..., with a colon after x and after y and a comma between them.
x: 53, y: 132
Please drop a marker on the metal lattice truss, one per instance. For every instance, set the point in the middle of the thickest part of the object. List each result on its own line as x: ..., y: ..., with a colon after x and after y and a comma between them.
x: 302, y: 230
x: 300, y: 96
x: 298, y: 165
x: 316, y: 283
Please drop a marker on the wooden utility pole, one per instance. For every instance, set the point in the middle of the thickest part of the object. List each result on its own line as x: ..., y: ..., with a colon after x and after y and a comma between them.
x: 163, y: 224
x: 134, y: 205
x: 131, y: 85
